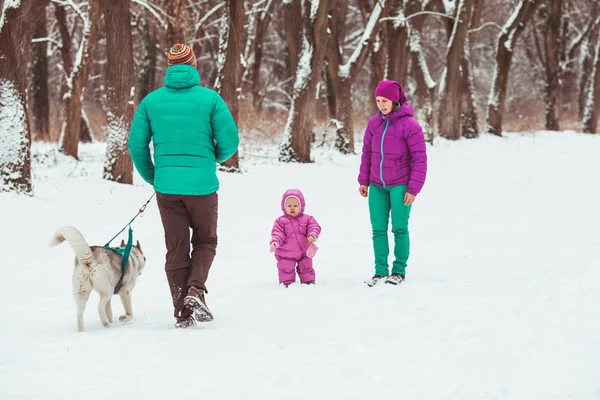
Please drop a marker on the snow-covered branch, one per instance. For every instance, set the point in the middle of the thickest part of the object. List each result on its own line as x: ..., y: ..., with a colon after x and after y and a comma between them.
x: 486, y: 24
x: 83, y: 46
x: 208, y: 14
x: 400, y: 19
x: 78, y: 11
x: 154, y: 10
x: 347, y: 69
x: 46, y: 39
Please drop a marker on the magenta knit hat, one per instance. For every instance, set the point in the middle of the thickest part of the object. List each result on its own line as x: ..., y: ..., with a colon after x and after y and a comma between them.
x: 390, y: 90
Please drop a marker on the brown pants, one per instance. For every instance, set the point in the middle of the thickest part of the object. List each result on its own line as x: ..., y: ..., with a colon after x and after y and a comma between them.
x: 179, y: 214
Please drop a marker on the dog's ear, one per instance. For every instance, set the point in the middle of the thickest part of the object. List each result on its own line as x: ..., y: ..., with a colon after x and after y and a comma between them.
x: 137, y: 244
x: 122, y: 243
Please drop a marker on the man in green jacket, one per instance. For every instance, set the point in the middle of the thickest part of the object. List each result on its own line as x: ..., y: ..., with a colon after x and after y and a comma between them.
x: 191, y: 130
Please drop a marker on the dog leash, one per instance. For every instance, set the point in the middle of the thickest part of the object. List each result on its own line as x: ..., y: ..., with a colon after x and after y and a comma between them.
x: 125, y: 252
x: 141, y: 210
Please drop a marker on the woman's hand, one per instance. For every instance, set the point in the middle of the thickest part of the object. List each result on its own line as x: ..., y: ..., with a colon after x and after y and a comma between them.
x: 311, y: 239
x: 408, y: 199
x: 363, y: 190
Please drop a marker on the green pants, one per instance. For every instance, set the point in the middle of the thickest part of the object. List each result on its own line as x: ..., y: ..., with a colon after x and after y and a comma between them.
x: 381, y: 202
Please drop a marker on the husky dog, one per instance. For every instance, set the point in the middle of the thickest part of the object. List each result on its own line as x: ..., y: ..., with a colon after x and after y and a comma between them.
x: 100, y: 268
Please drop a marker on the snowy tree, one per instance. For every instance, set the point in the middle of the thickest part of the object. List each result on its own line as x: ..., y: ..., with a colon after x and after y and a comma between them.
x: 76, y: 78
x: 450, y: 110
x: 229, y: 79
x: 585, y: 63
x: 507, y: 40
x: 17, y: 25
x: 592, y: 109
x: 121, y: 90
x: 469, y: 117
x: 297, y: 135
x: 420, y: 71
x: 343, y: 73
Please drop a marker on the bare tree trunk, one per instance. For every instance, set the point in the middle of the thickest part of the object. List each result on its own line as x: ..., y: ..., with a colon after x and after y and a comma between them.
x: 397, y: 33
x: 331, y: 95
x: 178, y: 21
x: 476, y: 17
x: 378, y: 56
x: 297, y: 137
x: 378, y: 66
x: 469, y: 118
x: 66, y: 44
x: 293, y: 32
x: 592, y: 109
x: 469, y: 124
x: 40, y: 101
x: 262, y: 23
x: 17, y: 25
x: 121, y: 90
x: 85, y: 130
x: 425, y: 84
x: 98, y: 68
x: 76, y: 82
x: 343, y: 75
x: 450, y: 108
x: 148, y: 67
x: 504, y: 52
x: 552, y: 45
x: 335, y: 41
x: 229, y: 82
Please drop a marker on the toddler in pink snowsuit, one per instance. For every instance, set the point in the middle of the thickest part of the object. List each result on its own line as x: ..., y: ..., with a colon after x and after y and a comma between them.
x: 292, y: 239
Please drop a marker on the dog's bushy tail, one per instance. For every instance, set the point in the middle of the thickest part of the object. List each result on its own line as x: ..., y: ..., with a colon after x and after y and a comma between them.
x: 82, y: 250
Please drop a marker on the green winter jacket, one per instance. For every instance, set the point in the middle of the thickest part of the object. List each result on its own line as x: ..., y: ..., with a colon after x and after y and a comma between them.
x: 191, y: 129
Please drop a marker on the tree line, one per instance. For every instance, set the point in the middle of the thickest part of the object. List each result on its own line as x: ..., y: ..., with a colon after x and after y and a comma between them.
x: 465, y: 64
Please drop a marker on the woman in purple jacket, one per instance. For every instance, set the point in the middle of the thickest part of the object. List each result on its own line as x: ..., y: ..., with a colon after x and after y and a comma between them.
x: 392, y: 172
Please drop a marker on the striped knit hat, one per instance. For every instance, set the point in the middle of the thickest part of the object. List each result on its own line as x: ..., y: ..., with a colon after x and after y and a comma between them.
x: 181, y: 54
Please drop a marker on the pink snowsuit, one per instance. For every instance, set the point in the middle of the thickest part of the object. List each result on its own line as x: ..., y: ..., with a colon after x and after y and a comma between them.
x: 291, y: 236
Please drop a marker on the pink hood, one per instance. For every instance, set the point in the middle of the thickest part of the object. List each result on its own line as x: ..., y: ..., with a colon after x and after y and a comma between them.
x: 293, y: 193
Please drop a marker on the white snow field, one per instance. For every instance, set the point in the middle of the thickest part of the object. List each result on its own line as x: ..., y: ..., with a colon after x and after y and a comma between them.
x: 501, y: 301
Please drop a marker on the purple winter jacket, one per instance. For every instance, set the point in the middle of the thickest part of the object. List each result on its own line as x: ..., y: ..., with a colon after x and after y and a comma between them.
x: 291, y: 233
x: 394, y: 151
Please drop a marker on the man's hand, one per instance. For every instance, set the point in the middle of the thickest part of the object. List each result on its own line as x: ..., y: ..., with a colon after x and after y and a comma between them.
x: 311, y: 239
x: 363, y: 190
x: 408, y: 199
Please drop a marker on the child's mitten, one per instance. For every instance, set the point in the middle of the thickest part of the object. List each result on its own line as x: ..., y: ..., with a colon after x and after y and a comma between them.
x: 312, y: 250
x: 273, y: 246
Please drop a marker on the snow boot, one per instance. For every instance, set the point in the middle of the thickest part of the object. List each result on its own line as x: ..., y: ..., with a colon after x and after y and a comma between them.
x: 374, y: 280
x: 185, y: 322
x: 395, y: 279
x: 195, y: 302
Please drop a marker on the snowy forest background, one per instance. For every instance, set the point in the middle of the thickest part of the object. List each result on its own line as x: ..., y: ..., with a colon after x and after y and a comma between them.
x: 295, y: 73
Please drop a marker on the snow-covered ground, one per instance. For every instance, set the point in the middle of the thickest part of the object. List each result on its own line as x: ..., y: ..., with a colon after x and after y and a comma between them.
x: 502, y: 298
